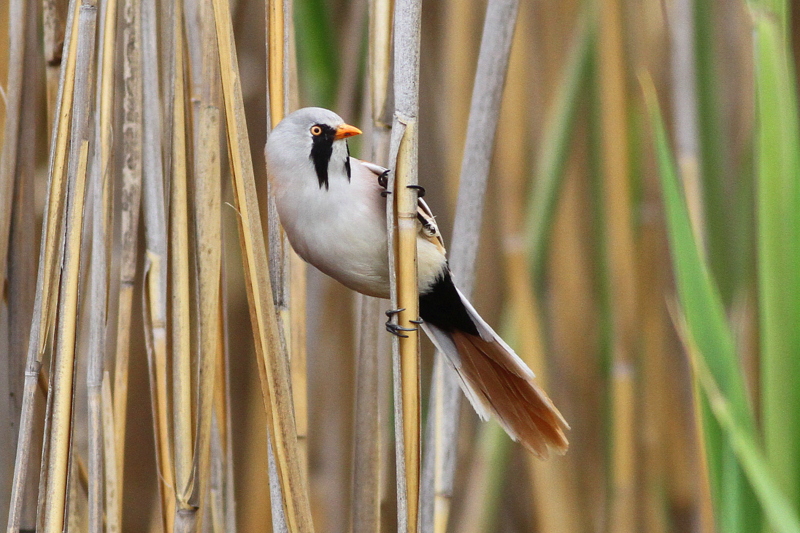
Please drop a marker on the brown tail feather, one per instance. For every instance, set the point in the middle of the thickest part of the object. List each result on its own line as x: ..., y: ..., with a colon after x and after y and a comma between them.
x: 522, y: 408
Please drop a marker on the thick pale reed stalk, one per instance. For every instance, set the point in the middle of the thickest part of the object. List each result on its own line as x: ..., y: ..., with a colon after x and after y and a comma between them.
x: 113, y: 499
x: 271, y: 357
x: 401, y: 223
x: 456, y: 64
x: 208, y: 242
x: 22, y: 255
x: 64, y: 356
x: 684, y: 93
x: 287, y: 270
x: 13, y: 107
x: 554, y: 493
x: 621, y: 252
x: 368, y: 434
x: 55, y: 35
x: 131, y: 198
x: 102, y: 451
x: 490, y: 77
x: 156, y: 274
x: 61, y: 423
x: 99, y: 192
x: 180, y: 296
x: 48, y: 274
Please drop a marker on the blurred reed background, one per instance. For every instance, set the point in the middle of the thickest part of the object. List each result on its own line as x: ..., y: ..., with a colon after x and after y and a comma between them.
x: 639, y: 247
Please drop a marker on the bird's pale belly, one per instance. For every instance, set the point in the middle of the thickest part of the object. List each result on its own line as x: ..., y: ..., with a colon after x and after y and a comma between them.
x: 362, y: 263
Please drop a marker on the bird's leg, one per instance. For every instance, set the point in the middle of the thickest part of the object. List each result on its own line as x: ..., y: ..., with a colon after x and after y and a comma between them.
x: 419, y: 188
x: 383, y: 181
x: 397, y: 329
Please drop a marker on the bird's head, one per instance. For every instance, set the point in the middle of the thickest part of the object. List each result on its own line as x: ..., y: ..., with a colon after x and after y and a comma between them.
x: 310, y: 142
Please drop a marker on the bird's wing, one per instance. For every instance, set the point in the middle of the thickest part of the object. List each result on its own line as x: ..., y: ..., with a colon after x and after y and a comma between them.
x: 428, y: 228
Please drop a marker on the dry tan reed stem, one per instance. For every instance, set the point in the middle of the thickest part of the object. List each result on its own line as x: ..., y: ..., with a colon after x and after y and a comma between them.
x: 49, y: 258
x: 102, y: 190
x: 271, y: 358
x: 380, y: 51
x: 684, y: 93
x: 22, y: 250
x: 179, y: 281
x: 407, y: 299
x: 401, y: 219
x: 64, y: 358
x: 299, y: 355
x: 53, y: 32
x: 554, y: 493
x: 107, y: 69
x: 13, y: 106
x: 453, y: 112
x: 208, y: 191
x: 57, y: 467
x: 370, y: 409
x: 156, y: 273
x: 113, y: 500
x: 208, y: 240
x: 12, y: 109
x: 490, y: 76
x: 621, y: 261
x: 130, y: 205
x: 275, y: 60
x: 278, y: 247
x: 99, y: 191
x: 365, y: 516
x: 156, y: 338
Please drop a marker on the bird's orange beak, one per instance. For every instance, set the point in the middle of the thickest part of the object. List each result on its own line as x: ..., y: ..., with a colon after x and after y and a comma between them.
x: 346, y: 130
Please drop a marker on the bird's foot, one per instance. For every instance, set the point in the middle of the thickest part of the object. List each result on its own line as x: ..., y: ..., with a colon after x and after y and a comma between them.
x: 397, y: 329
x: 419, y: 188
x: 383, y: 181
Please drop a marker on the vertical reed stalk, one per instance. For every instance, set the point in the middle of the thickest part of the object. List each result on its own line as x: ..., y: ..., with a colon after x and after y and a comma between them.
x: 54, y: 30
x: 131, y: 198
x: 621, y: 262
x: 13, y: 106
x: 286, y: 270
x: 269, y: 351
x: 684, y: 89
x: 180, y: 287
x: 368, y: 438
x: 490, y: 77
x: 113, y: 498
x: 156, y: 276
x: 553, y: 489
x: 208, y: 241
x: 61, y: 423
x: 64, y: 357
x: 49, y: 259
x: 100, y: 194
x: 401, y: 223
x: 10, y: 159
x: 22, y: 245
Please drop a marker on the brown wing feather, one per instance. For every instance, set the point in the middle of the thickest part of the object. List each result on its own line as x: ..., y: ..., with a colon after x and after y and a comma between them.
x: 520, y: 405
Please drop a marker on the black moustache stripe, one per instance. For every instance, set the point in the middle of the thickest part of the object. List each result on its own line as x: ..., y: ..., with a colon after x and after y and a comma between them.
x: 321, y: 150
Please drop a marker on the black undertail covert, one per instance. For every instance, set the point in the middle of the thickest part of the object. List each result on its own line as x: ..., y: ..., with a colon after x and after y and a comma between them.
x: 442, y: 307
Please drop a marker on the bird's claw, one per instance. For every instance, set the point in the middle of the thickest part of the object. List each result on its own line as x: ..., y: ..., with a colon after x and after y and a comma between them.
x: 419, y: 188
x: 383, y: 179
x: 397, y: 329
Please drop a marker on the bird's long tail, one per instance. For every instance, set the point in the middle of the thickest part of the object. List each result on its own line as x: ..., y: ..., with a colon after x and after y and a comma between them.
x: 496, y: 381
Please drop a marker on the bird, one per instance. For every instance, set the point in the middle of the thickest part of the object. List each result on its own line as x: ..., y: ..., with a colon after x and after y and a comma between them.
x: 333, y: 210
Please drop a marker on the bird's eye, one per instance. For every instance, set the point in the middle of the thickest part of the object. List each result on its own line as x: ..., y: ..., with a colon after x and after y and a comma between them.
x: 316, y: 130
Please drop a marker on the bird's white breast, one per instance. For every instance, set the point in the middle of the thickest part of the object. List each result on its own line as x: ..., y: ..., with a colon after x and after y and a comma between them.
x: 341, y: 229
